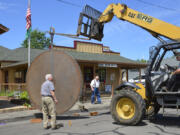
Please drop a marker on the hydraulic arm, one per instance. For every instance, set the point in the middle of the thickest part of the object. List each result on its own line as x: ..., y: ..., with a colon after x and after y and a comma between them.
x: 93, y: 28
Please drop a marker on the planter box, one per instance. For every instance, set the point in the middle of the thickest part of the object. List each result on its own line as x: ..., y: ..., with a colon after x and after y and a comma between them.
x: 4, y: 97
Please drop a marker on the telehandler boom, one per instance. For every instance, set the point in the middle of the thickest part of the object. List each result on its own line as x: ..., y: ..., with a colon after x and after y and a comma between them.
x: 153, y: 25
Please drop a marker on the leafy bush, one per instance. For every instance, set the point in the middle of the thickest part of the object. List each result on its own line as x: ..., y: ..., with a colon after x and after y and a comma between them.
x: 10, y: 94
x: 6, y: 93
x: 24, y: 95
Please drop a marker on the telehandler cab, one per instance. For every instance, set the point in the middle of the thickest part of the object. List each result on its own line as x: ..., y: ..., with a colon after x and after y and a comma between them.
x: 162, y: 88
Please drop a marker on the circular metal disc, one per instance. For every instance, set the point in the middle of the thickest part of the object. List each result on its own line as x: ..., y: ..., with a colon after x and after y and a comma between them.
x: 66, y: 74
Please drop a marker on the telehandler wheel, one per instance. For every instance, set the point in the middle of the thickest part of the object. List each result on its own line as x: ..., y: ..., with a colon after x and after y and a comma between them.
x: 127, y: 107
x: 152, y: 110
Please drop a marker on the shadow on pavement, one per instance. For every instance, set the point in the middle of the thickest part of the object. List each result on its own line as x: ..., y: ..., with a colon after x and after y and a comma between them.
x: 6, y: 104
x: 105, y: 113
x: 71, y: 117
x: 140, y: 124
x: 39, y: 115
x: 166, y: 120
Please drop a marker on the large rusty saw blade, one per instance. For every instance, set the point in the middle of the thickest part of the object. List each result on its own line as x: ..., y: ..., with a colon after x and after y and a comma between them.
x: 67, y: 79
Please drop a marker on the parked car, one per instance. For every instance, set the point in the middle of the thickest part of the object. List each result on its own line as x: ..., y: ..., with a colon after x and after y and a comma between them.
x: 138, y: 79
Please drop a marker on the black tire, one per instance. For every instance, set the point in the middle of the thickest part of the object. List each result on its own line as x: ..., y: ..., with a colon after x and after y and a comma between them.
x: 152, y: 111
x: 138, y: 102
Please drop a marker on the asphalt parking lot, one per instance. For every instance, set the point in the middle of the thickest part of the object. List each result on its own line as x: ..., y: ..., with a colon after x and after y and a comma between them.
x: 102, y: 124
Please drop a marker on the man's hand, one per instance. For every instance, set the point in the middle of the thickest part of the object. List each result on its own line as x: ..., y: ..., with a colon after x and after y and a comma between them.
x: 56, y: 101
x: 177, y: 71
x: 92, y: 88
x: 54, y: 97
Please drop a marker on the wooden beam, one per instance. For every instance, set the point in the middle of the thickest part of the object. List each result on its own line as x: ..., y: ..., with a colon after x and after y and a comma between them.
x: 139, y: 74
x: 1, y: 74
x: 94, y: 70
x: 127, y: 75
x: 120, y: 76
x: 3, y: 29
x: 112, y: 90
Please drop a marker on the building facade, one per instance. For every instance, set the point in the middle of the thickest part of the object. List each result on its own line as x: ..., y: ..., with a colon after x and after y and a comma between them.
x: 93, y: 59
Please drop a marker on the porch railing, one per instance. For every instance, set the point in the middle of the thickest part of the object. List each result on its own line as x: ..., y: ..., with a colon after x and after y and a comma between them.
x: 12, y: 86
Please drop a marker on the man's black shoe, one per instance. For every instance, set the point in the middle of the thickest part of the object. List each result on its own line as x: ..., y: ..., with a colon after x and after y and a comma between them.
x: 48, y: 127
x: 58, y: 126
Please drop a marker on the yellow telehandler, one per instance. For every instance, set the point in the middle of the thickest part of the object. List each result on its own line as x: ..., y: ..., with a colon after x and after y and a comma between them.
x: 133, y: 101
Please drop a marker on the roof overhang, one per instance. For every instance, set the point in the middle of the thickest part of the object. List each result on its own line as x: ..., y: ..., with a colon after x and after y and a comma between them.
x: 3, y: 29
x: 120, y: 64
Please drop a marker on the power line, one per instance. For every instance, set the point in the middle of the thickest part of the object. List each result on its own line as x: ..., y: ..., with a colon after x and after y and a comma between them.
x: 158, y: 6
x: 69, y: 3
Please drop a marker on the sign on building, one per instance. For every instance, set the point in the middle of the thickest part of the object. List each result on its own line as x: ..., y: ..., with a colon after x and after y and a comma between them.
x: 107, y: 65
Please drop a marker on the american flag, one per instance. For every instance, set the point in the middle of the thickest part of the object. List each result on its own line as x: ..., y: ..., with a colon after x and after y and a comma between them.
x: 28, y: 18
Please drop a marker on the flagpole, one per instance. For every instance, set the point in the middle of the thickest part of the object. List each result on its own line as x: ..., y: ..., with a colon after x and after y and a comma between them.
x: 29, y: 51
x: 29, y: 40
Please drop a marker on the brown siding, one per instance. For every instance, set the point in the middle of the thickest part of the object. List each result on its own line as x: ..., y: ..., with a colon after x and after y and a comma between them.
x: 11, y: 76
x: 81, y: 47
x: 63, y: 48
x: 1, y: 76
x: 88, y: 47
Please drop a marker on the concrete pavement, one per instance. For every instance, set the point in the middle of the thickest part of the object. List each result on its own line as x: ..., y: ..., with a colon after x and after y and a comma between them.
x: 29, y: 114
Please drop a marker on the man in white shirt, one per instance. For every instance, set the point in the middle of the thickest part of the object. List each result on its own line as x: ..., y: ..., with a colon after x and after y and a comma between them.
x: 95, y: 90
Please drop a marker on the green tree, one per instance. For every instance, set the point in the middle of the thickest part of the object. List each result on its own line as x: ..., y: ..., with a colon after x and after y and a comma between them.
x: 38, y: 40
x: 142, y: 60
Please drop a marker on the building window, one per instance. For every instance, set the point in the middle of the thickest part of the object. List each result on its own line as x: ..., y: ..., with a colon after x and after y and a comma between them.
x: 102, y: 75
x: 20, y: 76
x: 6, y: 77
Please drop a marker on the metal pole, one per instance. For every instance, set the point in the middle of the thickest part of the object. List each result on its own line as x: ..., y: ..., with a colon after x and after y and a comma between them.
x: 29, y: 51
x: 29, y: 40
x: 52, y: 32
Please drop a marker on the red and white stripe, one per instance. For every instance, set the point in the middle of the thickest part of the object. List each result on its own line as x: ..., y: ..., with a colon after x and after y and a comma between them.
x: 28, y: 19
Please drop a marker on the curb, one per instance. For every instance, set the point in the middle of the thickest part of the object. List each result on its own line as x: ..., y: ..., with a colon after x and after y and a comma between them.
x: 16, y: 109
x: 39, y: 115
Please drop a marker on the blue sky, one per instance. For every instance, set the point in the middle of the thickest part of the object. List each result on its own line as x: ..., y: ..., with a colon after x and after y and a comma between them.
x: 128, y: 39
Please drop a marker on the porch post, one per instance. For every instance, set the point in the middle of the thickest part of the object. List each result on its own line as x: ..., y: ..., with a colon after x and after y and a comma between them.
x: 127, y: 75
x: 1, y: 76
x: 112, y: 90
x: 139, y: 74
x: 84, y: 84
x: 94, y: 70
x: 120, y: 75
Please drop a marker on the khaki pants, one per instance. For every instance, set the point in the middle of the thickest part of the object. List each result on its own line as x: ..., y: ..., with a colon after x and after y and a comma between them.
x: 48, y: 108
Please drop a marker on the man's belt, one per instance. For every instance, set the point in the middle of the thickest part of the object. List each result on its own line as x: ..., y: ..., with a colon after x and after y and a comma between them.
x: 46, y: 95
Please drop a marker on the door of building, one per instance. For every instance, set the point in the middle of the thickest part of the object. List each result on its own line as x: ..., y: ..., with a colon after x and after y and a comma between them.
x: 6, y: 79
x: 88, y: 74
